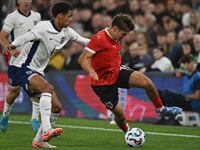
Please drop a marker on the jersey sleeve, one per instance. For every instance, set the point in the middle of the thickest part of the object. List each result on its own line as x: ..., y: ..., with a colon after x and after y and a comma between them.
x: 23, y: 39
x: 38, y: 30
x: 9, y: 23
x: 38, y: 17
x: 96, y: 44
x: 78, y: 38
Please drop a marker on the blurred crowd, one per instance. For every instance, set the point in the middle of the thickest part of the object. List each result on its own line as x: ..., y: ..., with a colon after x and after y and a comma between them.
x: 166, y: 30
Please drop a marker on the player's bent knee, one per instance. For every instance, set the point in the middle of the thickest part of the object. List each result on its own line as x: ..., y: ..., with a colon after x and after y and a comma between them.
x: 148, y: 84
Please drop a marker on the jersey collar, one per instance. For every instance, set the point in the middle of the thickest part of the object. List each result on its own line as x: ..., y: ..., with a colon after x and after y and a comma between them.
x: 23, y: 13
x: 106, y: 30
x: 53, y: 24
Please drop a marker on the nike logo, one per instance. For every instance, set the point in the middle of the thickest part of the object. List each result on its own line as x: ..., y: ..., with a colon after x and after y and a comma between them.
x: 54, y: 40
x: 114, y: 46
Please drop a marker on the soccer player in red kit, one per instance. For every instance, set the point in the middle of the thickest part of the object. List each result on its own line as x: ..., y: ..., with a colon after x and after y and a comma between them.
x: 101, y: 59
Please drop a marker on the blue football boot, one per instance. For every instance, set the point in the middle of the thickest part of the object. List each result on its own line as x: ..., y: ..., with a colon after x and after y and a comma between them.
x: 3, y: 123
x: 35, y: 125
x: 170, y: 111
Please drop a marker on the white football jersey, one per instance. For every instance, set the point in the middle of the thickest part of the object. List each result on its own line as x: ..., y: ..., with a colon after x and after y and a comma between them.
x: 16, y: 23
x: 46, y: 41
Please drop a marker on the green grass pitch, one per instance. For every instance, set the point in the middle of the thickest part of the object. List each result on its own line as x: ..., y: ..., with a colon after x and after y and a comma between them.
x: 79, y: 135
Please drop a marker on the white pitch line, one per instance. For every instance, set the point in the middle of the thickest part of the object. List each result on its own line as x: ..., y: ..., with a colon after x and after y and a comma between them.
x: 112, y: 130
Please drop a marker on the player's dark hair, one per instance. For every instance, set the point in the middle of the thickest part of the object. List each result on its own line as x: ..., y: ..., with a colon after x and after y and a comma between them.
x: 187, y: 59
x: 123, y: 22
x: 61, y: 7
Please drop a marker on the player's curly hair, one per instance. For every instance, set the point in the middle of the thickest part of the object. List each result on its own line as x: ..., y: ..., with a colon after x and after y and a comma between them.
x: 61, y: 7
x: 123, y: 22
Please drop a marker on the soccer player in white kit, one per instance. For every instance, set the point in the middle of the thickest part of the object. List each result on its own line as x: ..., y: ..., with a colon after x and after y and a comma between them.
x: 18, y: 23
x: 42, y: 42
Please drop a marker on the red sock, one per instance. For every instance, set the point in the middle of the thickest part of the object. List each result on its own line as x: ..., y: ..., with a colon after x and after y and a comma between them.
x: 157, y: 102
x: 124, y: 127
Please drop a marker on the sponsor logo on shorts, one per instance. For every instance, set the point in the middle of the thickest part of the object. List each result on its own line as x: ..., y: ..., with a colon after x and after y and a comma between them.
x: 10, y: 80
x: 109, y: 105
x: 29, y: 72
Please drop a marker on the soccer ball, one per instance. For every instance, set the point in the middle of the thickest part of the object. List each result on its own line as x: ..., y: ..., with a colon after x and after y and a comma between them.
x: 135, y: 137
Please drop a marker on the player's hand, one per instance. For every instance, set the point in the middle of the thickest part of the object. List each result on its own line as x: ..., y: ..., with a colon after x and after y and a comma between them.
x: 12, y: 50
x: 93, y: 75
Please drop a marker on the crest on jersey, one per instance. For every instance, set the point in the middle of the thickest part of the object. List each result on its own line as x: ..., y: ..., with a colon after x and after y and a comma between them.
x: 34, y: 22
x: 29, y: 72
x: 62, y: 39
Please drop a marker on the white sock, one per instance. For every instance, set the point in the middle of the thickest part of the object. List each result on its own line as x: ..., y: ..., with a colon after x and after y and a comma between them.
x: 45, y: 110
x: 35, y: 110
x: 161, y: 108
x: 53, y: 119
x: 7, y: 108
x: 38, y: 136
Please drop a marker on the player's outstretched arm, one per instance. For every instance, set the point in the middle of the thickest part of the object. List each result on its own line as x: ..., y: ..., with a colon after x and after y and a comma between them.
x: 21, y: 40
x: 78, y: 38
x: 85, y: 64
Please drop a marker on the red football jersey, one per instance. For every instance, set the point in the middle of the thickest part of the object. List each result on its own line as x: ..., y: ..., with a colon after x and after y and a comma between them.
x: 106, y: 59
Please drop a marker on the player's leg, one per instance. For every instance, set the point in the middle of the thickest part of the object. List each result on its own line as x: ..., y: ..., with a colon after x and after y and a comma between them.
x: 120, y: 117
x: 35, y: 113
x: 108, y: 95
x: 122, y: 98
x: 13, y: 92
x: 38, y: 141
x: 139, y: 80
x: 46, y: 104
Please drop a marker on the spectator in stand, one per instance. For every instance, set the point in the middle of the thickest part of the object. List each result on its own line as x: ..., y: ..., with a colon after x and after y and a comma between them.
x: 161, y: 63
x: 97, y: 6
x: 142, y: 40
x: 43, y: 7
x: 84, y: 16
x: 196, y: 42
x: 187, y: 49
x: 140, y: 21
x: 144, y: 4
x: 195, y: 21
x: 181, y: 37
x: 150, y: 20
x: 110, y: 7
x: 186, y: 10
x: 177, y: 10
x: 171, y: 24
x: 174, y: 48
x: 106, y: 21
x: 159, y: 11
x: 188, y: 33
x: 161, y: 40
x: 134, y: 6
x: 189, y: 99
x: 137, y: 58
x: 97, y: 22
